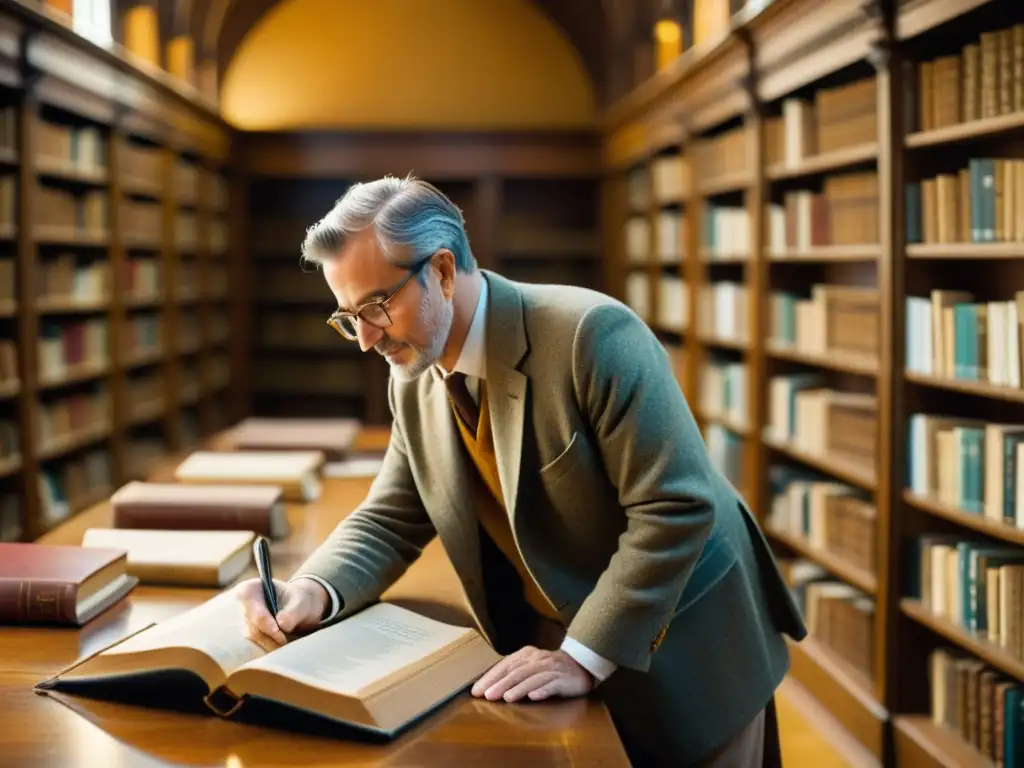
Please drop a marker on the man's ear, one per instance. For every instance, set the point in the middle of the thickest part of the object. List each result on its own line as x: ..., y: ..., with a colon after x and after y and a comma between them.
x: 444, y: 266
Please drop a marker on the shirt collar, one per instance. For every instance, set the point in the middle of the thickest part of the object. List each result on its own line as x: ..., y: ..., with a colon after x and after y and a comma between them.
x: 471, y: 358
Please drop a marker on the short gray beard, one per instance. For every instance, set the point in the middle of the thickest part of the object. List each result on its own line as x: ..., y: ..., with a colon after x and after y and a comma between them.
x: 438, y: 315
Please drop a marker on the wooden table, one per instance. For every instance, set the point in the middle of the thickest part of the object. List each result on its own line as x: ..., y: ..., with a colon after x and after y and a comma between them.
x: 63, y: 731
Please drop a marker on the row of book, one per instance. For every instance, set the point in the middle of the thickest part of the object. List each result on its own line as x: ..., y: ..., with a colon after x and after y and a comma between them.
x: 834, y: 118
x: 663, y: 240
x: 827, y: 515
x: 974, y: 584
x: 70, y: 418
x: 984, y: 79
x: 65, y: 278
x: 66, y: 487
x: 952, y: 335
x: 67, y: 347
x: 723, y: 390
x: 722, y: 305
x: 837, y: 614
x: 846, y: 212
x: 806, y: 414
x: 723, y: 155
x: 725, y: 232
x: 979, y: 203
x: 968, y: 464
x: 981, y: 704
x: 834, y: 319
x: 61, y: 213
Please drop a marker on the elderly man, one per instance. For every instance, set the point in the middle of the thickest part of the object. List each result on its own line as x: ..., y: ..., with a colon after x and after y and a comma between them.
x: 540, y: 432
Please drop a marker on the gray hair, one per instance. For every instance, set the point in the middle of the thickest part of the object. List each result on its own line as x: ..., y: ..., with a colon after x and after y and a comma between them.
x: 412, y: 218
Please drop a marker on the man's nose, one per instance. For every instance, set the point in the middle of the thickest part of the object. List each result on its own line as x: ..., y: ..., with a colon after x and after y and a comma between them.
x: 368, y: 335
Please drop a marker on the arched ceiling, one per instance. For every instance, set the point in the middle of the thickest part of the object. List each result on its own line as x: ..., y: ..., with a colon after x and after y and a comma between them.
x: 217, y: 27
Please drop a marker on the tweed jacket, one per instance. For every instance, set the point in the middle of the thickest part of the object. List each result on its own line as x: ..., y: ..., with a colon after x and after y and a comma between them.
x: 649, y: 555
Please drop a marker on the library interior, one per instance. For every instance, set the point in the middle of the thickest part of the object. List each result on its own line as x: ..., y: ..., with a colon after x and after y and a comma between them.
x: 761, y: 182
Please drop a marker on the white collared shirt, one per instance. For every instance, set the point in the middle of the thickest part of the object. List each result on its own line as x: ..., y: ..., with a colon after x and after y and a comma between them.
x: 472, y: 362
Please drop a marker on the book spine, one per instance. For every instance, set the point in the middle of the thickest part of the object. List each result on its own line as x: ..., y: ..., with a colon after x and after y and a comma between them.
x: 45, y: 602
x: 192, y: 519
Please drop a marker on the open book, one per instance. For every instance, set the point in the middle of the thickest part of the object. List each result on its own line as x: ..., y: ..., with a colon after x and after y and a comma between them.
x: 378, y: 670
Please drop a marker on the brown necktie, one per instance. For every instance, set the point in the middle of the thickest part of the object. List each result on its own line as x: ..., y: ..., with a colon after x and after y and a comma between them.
x: 467, y: 408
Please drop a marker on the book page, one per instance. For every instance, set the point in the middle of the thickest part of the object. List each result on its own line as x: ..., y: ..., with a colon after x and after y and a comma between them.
x: 361, y: 650
x: 216, y: 628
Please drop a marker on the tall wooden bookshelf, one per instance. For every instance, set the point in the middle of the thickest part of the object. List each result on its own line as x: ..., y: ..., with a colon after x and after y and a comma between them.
x: 118, y: 324
x: 844, y: 299
x: 531, y: 202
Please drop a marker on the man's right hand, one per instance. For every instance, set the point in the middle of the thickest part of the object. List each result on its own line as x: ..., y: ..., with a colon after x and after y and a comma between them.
x: 302, y: 602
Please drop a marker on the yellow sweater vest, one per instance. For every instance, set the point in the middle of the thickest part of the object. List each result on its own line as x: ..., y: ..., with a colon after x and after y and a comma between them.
x: 494, y: 516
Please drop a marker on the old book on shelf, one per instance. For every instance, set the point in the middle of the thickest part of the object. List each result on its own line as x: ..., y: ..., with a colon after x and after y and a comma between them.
x: 334, y: 437
x: 185, y: 558
x: 378, y: 670
x: 195, y: 507
x: 51, y: 584
x: 296, y: 472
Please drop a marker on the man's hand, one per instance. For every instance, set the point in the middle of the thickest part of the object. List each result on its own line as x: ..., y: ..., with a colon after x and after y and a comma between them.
x: 536, y: 674
x: 301, y: 606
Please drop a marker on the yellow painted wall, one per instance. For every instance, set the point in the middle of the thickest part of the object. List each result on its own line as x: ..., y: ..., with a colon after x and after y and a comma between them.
x: 425, y: 64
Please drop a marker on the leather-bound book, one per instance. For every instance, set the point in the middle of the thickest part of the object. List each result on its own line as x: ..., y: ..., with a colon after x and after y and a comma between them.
x: 297, y: 473
x: 334, y: 437
x: 54, y: 584
x: 207, y: 507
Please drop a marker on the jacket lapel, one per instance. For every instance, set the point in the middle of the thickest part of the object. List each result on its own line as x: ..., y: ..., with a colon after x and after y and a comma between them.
x: 506, y: 384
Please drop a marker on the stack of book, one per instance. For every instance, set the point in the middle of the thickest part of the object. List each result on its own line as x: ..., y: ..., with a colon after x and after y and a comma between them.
x: 196, y: 529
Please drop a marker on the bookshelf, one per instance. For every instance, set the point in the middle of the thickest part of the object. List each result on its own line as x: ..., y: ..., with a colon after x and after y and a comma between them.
x: 117, y: 324
x: 531, y: 202
x: 848, y: 277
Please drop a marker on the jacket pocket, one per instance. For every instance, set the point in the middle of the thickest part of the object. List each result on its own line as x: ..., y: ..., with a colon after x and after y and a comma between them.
x: 562, y: 464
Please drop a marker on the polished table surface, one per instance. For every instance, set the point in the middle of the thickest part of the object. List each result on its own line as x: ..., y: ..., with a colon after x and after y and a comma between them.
x: 63, y: 731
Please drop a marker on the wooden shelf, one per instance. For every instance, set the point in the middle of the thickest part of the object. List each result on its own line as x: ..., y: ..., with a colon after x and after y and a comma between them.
x: 829, y: 161
x: 714, y: 341
x: 841, y: 468
x: 978, y: 388
x: 983, y: 649
x: 735, y: 182
x: 830, y: 254
x: 976, y: 129
x: 978, y: 522
x: 920, y: 743
x: 844, y: 691
x: 838, y: 566
x: 966, y: 251
x: 836, y: 361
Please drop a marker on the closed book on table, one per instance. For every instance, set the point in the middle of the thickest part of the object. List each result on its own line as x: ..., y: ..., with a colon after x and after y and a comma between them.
x: 379, y: 670
x: 334, y: 437
x: 181, y: 558
x: 54, y: 584
x: 184, y: 507
x: 297, y: 473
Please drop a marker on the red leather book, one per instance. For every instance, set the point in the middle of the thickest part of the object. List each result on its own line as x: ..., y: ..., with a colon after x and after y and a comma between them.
x: 184, y: 507
x: 49, y: 583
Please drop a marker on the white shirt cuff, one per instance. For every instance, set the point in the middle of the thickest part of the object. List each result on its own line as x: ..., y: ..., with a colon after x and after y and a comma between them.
x: 335, y: 600
x: 596, y: 665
